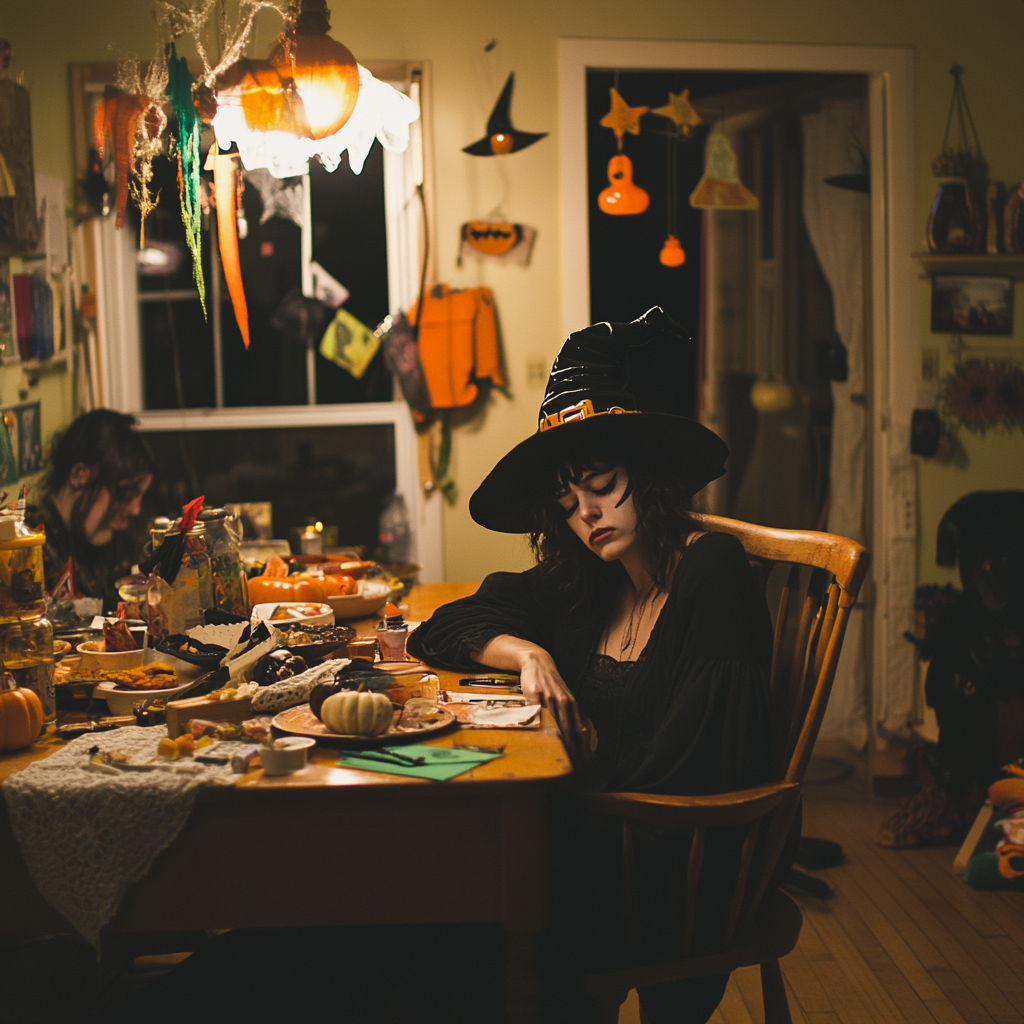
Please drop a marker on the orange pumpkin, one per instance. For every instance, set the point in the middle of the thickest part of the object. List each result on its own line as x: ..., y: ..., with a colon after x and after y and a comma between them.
x: 266, y: 589
x: 21, y: 718
x: 491, y: 238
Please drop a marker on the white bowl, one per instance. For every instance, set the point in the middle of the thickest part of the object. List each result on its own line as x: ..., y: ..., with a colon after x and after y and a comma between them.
x: 287, y: 755
x: 325, y: 617
x: 95, y: 657
x: 372, y: 596
x: 121, y: 700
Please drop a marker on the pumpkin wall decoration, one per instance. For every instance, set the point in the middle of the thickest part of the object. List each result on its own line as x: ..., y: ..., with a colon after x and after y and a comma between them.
x: 21, y: 718
x: 496, y: 239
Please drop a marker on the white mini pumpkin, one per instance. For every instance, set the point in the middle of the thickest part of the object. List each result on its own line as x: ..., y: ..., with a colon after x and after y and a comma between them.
x: 354, y: 713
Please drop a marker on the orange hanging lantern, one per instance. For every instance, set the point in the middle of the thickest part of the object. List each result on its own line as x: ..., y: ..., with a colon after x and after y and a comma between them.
x: 324, y: 72
x: 672, y: 254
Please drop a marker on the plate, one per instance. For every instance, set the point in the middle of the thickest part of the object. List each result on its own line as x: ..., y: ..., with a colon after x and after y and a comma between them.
x: 300, y: 721
x: 372, y: 596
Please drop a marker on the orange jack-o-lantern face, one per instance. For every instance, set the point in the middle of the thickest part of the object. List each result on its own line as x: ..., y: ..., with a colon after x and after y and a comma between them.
x: 501, y: 142
x: 490, y: 238
x: 622, y: 196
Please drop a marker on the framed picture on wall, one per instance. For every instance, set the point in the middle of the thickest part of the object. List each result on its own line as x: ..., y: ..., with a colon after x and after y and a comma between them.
x: 24, y: 429
x: 972, y: 305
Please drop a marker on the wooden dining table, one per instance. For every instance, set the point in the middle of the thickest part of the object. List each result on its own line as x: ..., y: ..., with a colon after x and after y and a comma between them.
x: 489, y: 823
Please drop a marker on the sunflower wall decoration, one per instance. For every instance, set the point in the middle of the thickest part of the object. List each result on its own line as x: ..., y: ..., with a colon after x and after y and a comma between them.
x: 984, y: 394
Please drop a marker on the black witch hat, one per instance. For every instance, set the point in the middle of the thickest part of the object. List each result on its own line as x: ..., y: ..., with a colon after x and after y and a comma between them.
x: 588, y: 401
x: 501, y: 137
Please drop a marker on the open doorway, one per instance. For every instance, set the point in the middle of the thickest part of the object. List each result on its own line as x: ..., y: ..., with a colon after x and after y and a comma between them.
x: 770, y: 307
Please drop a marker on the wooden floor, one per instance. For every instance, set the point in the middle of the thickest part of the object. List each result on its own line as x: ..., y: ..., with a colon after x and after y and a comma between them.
x: 903, y: 939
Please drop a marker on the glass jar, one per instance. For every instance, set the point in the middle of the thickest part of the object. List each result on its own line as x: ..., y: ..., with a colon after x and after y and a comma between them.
x: 224, y: 540
x: 21, y: 569
x: 26, y: 646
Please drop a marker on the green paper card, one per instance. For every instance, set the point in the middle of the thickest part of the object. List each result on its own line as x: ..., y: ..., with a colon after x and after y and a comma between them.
x: 441, y: 763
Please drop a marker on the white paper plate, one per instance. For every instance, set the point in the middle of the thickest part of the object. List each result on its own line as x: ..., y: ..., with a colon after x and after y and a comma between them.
x: 325, y: 617
x: 224, y: 636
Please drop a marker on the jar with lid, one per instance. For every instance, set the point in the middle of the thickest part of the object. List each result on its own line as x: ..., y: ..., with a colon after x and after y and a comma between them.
x: 26, y: 647
x: 21, y: 569
x: 224, y: 540
x: 195, y: 554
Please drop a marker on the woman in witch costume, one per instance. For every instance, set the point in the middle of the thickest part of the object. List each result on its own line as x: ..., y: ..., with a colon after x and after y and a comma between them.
x: 651, y: 634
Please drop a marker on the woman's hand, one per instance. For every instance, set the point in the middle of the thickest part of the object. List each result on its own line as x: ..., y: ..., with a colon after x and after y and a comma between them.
x: 540, y: 682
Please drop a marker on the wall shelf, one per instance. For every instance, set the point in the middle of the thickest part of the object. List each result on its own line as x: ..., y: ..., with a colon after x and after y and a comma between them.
x: 980, y: 263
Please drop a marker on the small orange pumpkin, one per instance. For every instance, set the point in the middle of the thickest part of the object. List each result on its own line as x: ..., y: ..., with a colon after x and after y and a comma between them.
x: 21, y: 718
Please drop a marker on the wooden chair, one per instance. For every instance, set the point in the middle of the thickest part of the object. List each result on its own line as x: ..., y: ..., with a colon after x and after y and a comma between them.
x: 763, y: 923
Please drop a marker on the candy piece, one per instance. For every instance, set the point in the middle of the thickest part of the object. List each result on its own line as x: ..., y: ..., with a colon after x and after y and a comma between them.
x: 186, y: 744
x: 168, y: 750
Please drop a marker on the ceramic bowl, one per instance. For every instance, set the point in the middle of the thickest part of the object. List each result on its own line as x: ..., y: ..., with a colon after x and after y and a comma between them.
x: 95, y: 657
x: 372, y: 596
x: 120, y: 700
x: 287, y: 755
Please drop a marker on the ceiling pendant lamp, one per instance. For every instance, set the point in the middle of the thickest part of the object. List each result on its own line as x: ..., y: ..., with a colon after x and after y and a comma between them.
x: 324, y: 72
x: 309, y: 99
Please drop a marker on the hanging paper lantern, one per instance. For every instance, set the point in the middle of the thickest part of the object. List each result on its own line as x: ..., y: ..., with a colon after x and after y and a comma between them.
x: 622, y: 197
x: 672, y: 254
x: 324, y: 72
x: 720, y: 188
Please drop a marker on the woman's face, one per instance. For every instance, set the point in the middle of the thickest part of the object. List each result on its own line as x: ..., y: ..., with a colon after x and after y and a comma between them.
x: 111, y: 513
x: 600, y: 511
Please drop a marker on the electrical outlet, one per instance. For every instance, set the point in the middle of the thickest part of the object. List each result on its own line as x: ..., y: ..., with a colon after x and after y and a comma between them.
x: 537, y: 372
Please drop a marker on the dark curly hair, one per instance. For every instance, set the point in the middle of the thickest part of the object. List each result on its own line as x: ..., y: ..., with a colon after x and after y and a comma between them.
x: 116, y: 453
x: 664, y: 521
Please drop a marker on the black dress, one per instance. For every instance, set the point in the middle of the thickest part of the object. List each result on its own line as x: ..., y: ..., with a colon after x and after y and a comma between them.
x: 694, y: 716
x: 691, y: 716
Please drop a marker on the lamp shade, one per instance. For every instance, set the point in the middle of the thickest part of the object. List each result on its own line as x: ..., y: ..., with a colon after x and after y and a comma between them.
x: 326, y: 79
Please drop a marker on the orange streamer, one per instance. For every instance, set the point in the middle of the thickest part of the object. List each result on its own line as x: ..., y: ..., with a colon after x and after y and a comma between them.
x: 225, y: 170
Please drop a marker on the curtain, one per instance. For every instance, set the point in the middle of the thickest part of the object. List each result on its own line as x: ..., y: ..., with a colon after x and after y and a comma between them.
x: 838, y: 223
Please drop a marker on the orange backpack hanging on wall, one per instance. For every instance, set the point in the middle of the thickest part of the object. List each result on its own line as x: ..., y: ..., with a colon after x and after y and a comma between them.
x: 458, y: 344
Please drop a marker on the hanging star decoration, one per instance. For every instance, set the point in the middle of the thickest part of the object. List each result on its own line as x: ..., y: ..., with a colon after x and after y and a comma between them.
x: 680, y: 112
x: 623, y: 118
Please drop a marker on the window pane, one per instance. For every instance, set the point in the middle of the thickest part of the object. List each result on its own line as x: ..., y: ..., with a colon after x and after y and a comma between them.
x: 177, y: 355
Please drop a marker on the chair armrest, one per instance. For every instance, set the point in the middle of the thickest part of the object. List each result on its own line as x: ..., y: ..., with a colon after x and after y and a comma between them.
x: 720, y: 809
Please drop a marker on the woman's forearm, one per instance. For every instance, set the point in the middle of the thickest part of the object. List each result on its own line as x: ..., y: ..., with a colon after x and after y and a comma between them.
x: 510, y: 654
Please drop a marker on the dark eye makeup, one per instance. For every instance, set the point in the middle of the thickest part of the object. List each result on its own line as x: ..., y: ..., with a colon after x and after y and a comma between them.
x: 599, y: 491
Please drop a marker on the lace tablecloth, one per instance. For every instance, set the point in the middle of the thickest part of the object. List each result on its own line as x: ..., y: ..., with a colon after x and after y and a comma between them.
x: 86, y: 837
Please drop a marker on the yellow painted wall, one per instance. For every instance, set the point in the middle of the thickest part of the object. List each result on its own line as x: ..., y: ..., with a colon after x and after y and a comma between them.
x: 984, y: 37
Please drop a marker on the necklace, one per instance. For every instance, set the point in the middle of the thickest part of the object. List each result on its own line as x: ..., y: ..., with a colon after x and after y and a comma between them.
x: 629, y: 637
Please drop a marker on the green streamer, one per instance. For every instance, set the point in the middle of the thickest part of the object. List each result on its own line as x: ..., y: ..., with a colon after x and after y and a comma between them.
x: 186, y: 131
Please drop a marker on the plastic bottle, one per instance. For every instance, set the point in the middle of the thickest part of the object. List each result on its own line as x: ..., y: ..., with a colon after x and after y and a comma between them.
x: 394, y: 533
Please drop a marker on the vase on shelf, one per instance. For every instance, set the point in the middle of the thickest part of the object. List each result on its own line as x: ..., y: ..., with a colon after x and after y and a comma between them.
x: 953, y: 222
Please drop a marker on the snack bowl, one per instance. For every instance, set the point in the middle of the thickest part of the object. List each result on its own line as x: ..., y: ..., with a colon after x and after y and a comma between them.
x: 297, y: 611
x: 372, y: 596
x: 121, y: 700
x: 95, y: 656
x: 287, y: 755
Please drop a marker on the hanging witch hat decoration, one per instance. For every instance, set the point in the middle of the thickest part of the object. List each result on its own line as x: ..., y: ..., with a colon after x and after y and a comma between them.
x: 501, y: 137
x: 622, y: 196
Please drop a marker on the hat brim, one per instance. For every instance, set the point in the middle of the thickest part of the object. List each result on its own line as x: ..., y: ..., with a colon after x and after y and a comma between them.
x: 520, y: 140
x: 506, y: 500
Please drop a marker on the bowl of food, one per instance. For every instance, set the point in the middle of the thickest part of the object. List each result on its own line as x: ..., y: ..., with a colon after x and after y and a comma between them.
x: 158, y: 676
x: 368, y: 600
x: 283, y: 613
x: 96, y: 656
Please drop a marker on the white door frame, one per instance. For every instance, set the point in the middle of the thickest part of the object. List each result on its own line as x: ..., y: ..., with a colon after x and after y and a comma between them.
x: 895, y: 357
